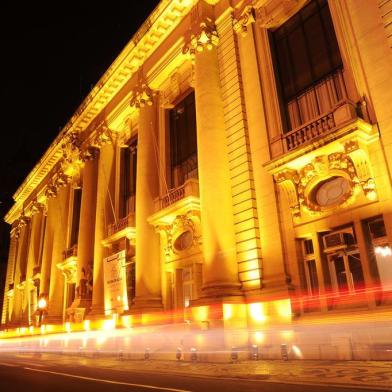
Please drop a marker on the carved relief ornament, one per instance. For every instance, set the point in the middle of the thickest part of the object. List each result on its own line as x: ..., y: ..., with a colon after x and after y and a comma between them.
x: 142, y: 95
x: 103, y: 135
x: 183, y: 236
x: 338, y: 176
x: 205, y: 38
x: 243, y: 20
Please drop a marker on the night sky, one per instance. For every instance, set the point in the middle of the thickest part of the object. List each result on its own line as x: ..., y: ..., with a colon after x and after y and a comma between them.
x: 52, y: 54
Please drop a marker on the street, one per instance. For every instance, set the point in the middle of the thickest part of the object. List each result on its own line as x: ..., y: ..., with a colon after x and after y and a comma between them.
x: 21, y: 373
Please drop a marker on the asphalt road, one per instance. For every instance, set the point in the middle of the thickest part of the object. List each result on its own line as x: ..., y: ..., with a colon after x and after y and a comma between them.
x: 30, y: 375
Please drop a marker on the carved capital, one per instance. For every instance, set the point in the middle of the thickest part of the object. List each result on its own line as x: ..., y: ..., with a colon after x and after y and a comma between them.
x: 243, y: 20
x: 205, y: 38
x: 142, y: 95
x: 37, y: 207
x: 88, y: 153
x: 103, y: 135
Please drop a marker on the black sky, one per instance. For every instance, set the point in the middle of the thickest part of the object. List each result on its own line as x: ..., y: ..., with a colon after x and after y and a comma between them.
x: 51, y: 55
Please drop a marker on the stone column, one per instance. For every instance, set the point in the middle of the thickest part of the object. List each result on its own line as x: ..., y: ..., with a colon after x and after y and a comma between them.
x: 56, y: 287
x: 47, y: 247
x: 33, y: 255
x: 87, y: 230
x: 103, y: 217
x: 7, y: 310
x: 148, y: 267
x: 220, y: 271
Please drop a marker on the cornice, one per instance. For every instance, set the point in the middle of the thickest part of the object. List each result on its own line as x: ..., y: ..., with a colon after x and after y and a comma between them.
x: 158, y: 26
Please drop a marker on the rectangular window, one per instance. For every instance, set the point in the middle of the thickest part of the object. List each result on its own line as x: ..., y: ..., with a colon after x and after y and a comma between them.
x: 183, y: 141
x: 77, y: 199
x: 128, y: 179
x: 131, y: 282
x: 380, y: 252
x: 308, y: 65
x: 308, y: 269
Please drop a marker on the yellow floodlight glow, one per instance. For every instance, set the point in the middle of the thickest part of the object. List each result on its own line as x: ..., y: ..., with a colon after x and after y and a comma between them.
x: 68, y: 327
x: 31, y: 329
x: 283, y: 308
x: 227, y: 311
x: 42, y: 303
x: 287, y: 335
x: 109, y: 325
x: 86, y: 325
x: 126, y: 321
x: 257, y: 312
x: 297, y: 351
x: 200, y: 313
x: 259, y: 337
x: 43, y: 329
x: 383, y: 250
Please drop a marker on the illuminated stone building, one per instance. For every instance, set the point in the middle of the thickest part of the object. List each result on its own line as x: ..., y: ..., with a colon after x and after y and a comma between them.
x: 231, y: 169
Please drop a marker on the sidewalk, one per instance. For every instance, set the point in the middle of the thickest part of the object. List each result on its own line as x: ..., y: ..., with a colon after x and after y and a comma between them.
x: 373, y: 375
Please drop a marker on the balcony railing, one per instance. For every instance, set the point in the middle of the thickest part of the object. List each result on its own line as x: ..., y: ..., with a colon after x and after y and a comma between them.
x: 189, y: 188
x: 121, y: 224
x: 309, y: 131
x: 340, y: 115
x: 70, y: 252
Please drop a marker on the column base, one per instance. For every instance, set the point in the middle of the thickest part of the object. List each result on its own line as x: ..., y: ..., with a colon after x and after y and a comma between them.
x: 53, y: 319
x: 221, y: 291
x: 146, y: 305
x: 96, y: 312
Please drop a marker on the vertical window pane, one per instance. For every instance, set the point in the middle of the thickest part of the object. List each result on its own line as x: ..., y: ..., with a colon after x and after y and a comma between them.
x: 183, y: 141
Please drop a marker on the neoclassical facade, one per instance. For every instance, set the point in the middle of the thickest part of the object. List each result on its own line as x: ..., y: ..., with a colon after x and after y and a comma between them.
x: 231, y: 169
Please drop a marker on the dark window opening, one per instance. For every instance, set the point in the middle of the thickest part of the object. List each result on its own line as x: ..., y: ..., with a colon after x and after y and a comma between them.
x: 77, y: 199
x: 308, y: 65
x: 128, y: 179
x: 183, y: 141
x: 131, y: 283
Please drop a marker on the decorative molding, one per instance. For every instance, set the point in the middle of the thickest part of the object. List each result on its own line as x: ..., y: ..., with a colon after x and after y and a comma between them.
x: 243, y: 20
x: 299, y: 185
x: 142, y: 96
x: 88, y: 153
x: 103, y: 135
x: 273, y: 13
x: 205, y: 38
x: 187, y: 223
x: 36, y: 207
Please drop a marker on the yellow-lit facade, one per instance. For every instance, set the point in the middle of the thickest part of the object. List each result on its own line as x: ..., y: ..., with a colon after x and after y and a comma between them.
x: 230, y: 171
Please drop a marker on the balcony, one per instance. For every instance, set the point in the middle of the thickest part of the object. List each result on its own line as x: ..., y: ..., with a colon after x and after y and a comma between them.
x: 176, y: 202
x: 189, y: 188
x: 122, y: 228
x: 121, y: 224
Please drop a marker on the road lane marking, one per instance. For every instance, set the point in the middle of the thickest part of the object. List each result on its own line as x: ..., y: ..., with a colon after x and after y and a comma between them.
x: 107, y: 381
x: 8, y: 364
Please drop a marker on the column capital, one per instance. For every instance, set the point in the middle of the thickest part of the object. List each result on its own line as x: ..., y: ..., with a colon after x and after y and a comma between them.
x: 103, y: 135
x: 243, y: 19
x: 88, y: 153
x: 205, y: 37
x: 142, y: 95
x: 37, y: 207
